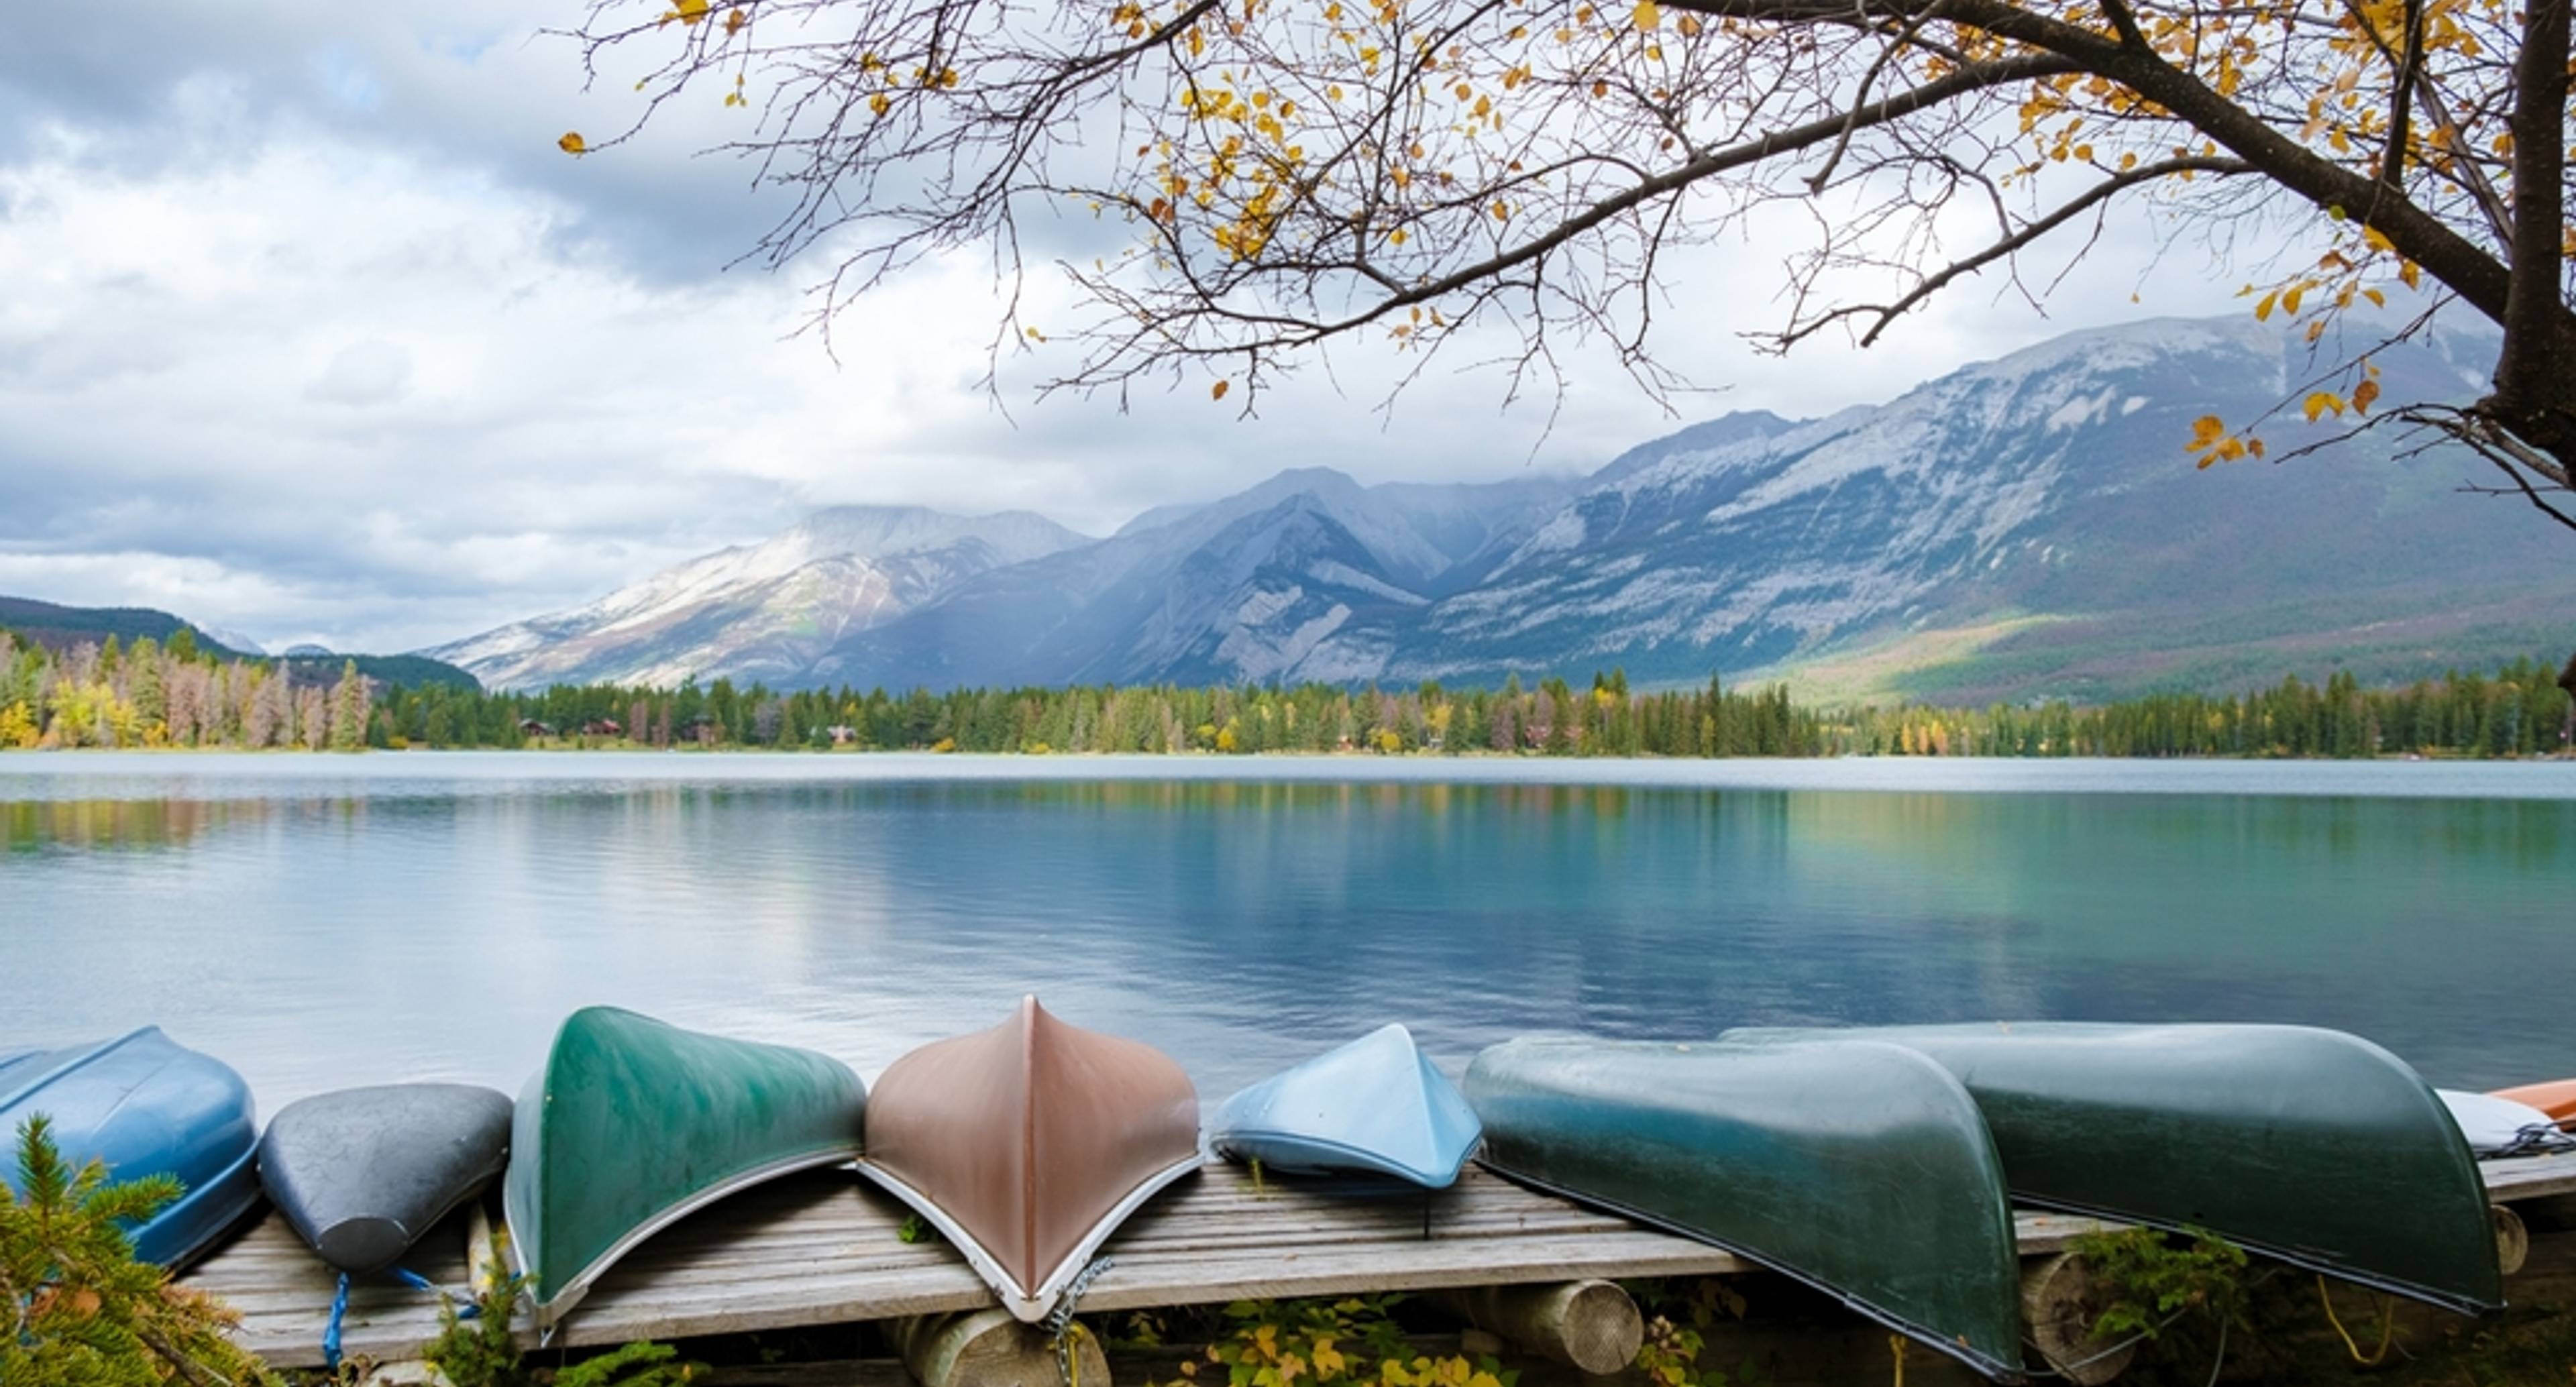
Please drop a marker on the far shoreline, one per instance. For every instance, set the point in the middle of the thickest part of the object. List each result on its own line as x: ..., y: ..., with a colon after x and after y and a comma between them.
x: 182, y: 773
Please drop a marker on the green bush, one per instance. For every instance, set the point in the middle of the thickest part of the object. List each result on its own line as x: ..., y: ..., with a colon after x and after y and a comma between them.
x: 87, y: 1314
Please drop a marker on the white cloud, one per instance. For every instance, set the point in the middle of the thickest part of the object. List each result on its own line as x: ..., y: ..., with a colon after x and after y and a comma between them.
x: 311, y: 334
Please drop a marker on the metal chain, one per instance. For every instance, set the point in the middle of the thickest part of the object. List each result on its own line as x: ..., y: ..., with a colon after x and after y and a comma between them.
x: 1059, y: 1321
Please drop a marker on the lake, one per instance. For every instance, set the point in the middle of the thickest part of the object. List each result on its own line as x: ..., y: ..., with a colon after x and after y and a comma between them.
x: 321, y: 921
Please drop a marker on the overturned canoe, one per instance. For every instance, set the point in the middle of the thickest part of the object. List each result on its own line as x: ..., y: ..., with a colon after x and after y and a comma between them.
x: 1377, y: 1104
x: 634, y: 1123
x: 1859, y: 1168
x: 2557, y: 1099
x: 362, y: 1173
x: 1028, y: 1144
x: 144, y: 1105
x: 2316, y: 1147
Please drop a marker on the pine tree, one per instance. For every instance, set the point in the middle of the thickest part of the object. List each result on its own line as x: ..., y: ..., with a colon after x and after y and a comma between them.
x: 87, y: 1313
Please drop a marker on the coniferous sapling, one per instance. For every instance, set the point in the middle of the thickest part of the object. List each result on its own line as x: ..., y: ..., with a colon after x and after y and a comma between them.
x: 87, y: 1313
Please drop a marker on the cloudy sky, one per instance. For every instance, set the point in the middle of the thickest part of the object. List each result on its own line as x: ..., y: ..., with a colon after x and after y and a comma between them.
x: 312, y: 334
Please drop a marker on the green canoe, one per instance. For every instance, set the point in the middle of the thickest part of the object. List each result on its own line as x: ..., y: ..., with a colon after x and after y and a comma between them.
x: 1859, y: 1168
x: 2316, y: 1147
x: 633, y: 1123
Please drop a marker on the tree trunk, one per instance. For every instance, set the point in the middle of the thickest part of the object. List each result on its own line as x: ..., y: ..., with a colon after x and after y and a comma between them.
x: 2567, y: 681
x: 2539, y: 359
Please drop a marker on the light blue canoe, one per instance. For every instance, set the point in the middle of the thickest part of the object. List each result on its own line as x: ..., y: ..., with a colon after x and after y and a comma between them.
x: 145, y: 1105
x: 1377, y: 1104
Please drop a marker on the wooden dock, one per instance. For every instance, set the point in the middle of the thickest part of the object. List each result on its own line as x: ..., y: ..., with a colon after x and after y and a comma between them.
x: 823, y: 1248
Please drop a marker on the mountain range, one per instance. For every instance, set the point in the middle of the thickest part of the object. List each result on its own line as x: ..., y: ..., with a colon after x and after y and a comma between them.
x: 2022, y: 527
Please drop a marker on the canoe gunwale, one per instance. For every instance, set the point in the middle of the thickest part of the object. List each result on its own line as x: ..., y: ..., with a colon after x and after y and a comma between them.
x: 1026, y: 1305
x: 1360, y: 1157
x: 243, y: 1173
x: 550, y: 1312
x: 2304, y: 1261
x: 1929, y: 1338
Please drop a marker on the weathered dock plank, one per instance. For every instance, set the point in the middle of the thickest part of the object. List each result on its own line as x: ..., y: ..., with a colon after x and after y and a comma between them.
x: 823, y: 1248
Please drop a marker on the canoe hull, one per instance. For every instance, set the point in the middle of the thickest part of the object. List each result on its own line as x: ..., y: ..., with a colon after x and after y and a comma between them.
x: 2316, y: 1147
x: 362, y: 1173
x: 1377, y: 1105
x: 145, y: 1105
x: 2558, y: 1098
x: 633, y: 1124
x: 1860, y: 1169
x: 1027, y: 1145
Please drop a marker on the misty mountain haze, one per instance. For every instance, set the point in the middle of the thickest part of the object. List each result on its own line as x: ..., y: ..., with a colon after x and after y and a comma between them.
x: 2030, y: 525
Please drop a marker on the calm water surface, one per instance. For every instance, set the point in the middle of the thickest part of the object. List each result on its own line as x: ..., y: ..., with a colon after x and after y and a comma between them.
x: 322, y: 921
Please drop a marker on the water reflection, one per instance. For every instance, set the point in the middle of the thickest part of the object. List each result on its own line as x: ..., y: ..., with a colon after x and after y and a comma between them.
x: 318, y: 935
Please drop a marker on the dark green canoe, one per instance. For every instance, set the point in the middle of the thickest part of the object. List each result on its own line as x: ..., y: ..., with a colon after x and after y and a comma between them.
x: 1859, y: 1168
x: 633, y: 1123
x: 2316, y: 1147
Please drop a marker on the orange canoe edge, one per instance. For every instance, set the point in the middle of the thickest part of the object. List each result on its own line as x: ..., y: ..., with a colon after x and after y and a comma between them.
x: 2558, y: 1099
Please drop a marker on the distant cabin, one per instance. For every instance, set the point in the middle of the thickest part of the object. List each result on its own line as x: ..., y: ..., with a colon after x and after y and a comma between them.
x: 530, y: 727
x: 842, y: 734
x: 603, y: 727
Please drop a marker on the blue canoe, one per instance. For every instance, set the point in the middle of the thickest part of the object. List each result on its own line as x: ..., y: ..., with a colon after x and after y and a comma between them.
x: 1377, y: 1104
x: 145, y: 1105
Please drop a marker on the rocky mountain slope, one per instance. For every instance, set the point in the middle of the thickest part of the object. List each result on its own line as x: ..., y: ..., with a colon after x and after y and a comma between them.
x: 761, y: 611
x: 2020, y: 527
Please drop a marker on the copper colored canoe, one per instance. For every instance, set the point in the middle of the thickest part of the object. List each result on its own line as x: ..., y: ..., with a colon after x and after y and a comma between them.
x: 1029, y: 1143
x: 2556, y: 1099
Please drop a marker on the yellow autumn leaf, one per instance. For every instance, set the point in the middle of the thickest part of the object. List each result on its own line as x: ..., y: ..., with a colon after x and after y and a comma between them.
x: 2263, y: 310
x: 734, y: 20
x: 2319, y: 401
x: 1217, y: 392
x: 572, y: 143
x: 2363, y: 395
x: 2206, y: 428
x: 690, y: 11
x: 879, y: 104
x: 1648, y: 14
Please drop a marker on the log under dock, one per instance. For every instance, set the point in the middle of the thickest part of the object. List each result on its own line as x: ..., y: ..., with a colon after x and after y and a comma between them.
x: 824, y: 1248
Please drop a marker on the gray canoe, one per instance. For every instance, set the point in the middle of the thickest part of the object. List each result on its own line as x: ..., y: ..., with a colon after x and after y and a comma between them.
x: 364, y: 1172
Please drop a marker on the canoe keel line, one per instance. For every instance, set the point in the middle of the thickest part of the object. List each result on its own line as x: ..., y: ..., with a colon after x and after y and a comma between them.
x: 1026, y: 1145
